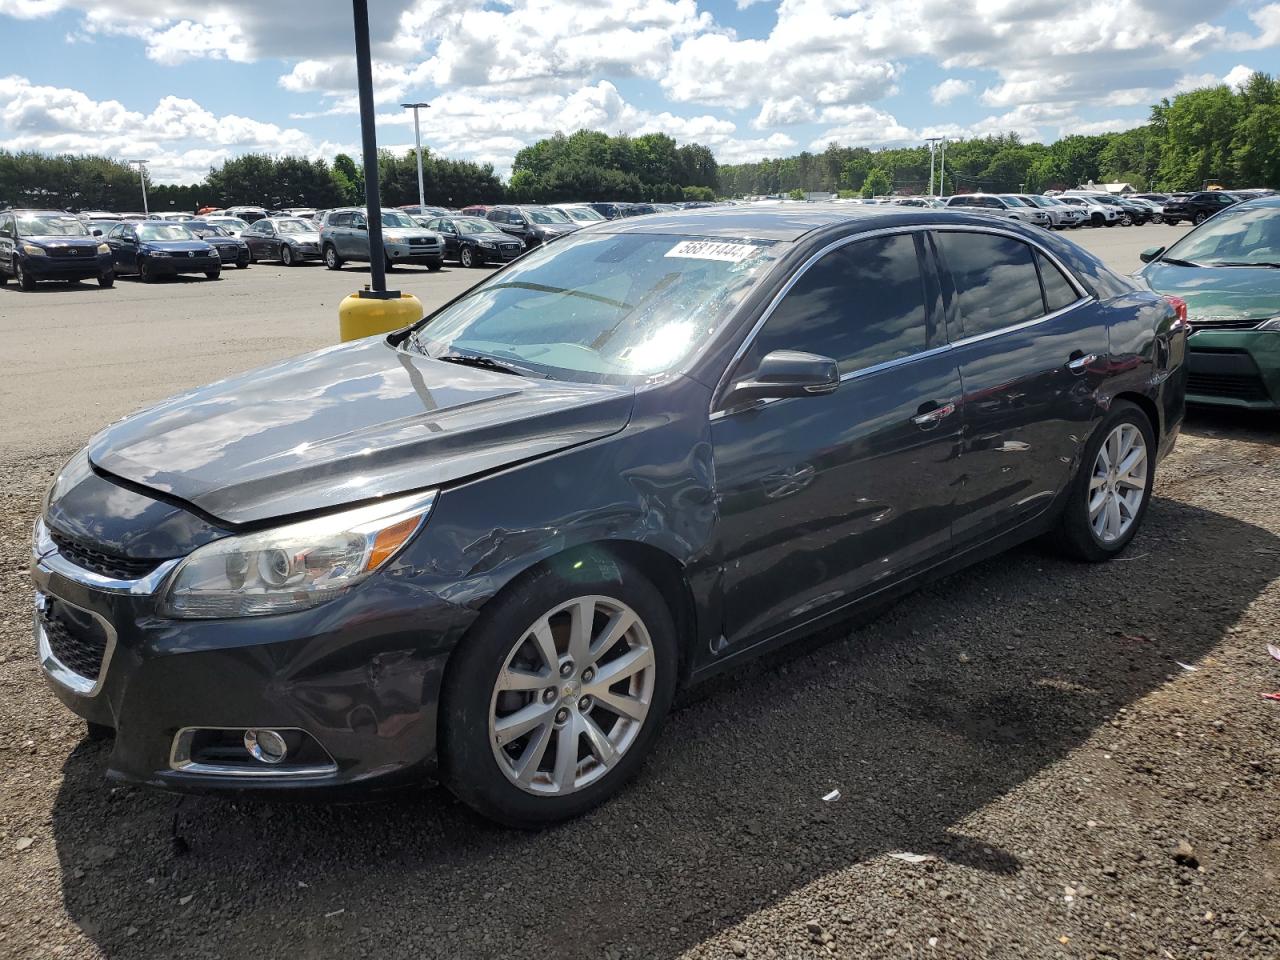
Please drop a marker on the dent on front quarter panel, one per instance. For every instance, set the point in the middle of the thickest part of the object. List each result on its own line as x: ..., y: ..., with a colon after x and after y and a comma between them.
x: 649, y: 484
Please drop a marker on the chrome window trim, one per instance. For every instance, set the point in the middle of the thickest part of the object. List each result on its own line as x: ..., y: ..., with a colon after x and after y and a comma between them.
x: 58, y: 671
x: 49, y: 560
x: 1083, y: 296
x: 180, y: 759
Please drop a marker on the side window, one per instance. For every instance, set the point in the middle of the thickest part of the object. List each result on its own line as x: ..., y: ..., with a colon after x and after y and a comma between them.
x: 494, y: 215
x: 1058, y: 292
x: 6, y: 227
x: 994, y: 203
x: 861, y: 304
x: 995, y: 279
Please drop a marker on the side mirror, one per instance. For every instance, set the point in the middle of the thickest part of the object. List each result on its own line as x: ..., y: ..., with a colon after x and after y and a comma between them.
x: 362, y: 226
x: 97, y: 233
x: 1149, y: 254
x: 787, y: 373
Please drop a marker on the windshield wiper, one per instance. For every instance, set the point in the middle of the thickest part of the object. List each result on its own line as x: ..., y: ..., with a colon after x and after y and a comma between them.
x: 484, y: 363
x: 1245, y: 263
x: 1179, y: 263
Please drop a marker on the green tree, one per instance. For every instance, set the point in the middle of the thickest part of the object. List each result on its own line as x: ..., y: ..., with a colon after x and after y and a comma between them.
x: 877, y: 184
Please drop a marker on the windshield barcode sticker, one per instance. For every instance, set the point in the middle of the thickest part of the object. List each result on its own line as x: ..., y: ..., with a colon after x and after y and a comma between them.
x: 713, y: 250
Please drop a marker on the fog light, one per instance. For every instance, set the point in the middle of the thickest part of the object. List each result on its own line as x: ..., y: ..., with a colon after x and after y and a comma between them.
x: 265, y: 745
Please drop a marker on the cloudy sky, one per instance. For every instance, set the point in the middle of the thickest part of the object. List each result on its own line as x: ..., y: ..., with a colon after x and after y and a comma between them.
x: 189, y: 84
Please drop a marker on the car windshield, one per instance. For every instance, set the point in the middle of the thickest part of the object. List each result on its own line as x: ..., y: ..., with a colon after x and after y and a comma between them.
x: 295, y: 226
x: 542, y: 215
x: 475, y: 226
x: 163, y: 231
x: 394, y: 218
x: 206, y: 230
x: 608, y: 307
x: 585, y: 214
x: 231, y: 223
x: 50, y: 225
x: 1238, y: 235
x: 1013, y: 201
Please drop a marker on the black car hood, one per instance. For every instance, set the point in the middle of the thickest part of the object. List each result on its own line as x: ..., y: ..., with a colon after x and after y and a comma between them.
x: 56, y: 241
x: 346, y: 424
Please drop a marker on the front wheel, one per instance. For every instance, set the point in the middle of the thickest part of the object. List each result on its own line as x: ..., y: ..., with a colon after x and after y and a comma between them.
x: 1112, y: 488
x: 213, y: 274
x: 467, y: 258
x: 331, y: 259
x: 145, y: 273
x: 286, y: 255
x: 1126, y: 221
x: 553, y: 700
x: 107, y: 280
x: 25, y: 280
x: 435, y: 265
x: 1200, y: 218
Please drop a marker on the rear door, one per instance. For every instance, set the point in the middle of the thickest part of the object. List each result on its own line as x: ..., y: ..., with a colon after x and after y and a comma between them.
x: 1032, y: 351
x: 824, y: 498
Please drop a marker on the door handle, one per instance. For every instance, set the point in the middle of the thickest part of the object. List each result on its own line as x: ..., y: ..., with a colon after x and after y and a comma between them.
x: 1079, y: 362
x: 929, y: 418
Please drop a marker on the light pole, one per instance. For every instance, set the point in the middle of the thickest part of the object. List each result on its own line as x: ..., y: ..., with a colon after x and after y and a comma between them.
x: 417, y: 140
x: 142, y: 175
x: 933, y: 144
x: 942, y: 168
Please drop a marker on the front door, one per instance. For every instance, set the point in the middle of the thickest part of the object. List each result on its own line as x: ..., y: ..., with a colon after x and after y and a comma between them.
x: 1032, y: 352
x: 824, y: 499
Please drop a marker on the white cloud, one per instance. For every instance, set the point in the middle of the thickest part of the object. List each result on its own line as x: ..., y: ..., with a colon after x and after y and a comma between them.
x: 949, y: 89
x: 1238, y: 75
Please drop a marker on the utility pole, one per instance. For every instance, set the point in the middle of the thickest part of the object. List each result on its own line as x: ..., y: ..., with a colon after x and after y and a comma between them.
x: 417, y: 140
x: 369, y: 144
x: 933, y: 144
x: 942, y: 173
x: 142, y: 175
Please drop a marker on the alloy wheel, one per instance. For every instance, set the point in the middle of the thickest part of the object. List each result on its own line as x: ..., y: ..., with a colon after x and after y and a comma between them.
x: 572, y: 696
x: 286, y: 255
x: 465, y: 257
x: 1118, y: 483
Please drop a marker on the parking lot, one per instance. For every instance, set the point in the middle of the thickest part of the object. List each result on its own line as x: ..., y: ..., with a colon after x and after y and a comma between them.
x: 1077, y: 756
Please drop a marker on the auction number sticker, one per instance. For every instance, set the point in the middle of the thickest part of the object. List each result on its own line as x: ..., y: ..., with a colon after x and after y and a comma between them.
x: 728, y: 251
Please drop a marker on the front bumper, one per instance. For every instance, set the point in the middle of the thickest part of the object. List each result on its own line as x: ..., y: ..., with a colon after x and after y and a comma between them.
x: 309, y: 251
x: 172, y: 266
x: 1234, y: 368
x: 400, y: 252
x: 68, y: 268
x: 360, y: 675
x: 233, y: 254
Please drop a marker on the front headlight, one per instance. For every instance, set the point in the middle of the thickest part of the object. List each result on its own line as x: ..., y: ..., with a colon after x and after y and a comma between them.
x: 31, y: 250
x: 296, y: 566
x: 155, y: 253
x: 485, y: 243
x: 103, y: 248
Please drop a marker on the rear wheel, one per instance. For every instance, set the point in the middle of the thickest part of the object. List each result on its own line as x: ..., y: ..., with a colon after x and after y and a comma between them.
x: 1112, y: 488
x: 1126, y: 221
x: 553, y: 700
x: 331, y: 258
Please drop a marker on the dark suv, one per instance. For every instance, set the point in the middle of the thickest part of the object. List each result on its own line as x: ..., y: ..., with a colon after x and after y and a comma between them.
x: 50, y: 245
x: 1197, y: 207
x: 533, y: 224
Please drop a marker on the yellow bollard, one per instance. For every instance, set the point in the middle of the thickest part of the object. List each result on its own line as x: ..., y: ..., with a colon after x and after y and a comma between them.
x: 368, y: 316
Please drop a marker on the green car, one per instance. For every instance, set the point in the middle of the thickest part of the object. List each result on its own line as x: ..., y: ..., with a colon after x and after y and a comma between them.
x: 1228, y: 272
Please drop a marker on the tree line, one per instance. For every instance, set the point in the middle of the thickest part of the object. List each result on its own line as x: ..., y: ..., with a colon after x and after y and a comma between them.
x: 1221, y: 133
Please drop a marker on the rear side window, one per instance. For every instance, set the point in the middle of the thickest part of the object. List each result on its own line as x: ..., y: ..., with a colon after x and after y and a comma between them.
x: 861, y: 305
x: 1058, y: 292
x: 995, y: 279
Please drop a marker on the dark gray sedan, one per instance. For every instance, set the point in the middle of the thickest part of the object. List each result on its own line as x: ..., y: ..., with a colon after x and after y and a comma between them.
x: 492, y: 546
x: 290, y: 240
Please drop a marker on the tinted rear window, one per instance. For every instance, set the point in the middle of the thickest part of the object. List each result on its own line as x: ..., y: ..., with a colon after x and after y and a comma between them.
x: 1058, y: 292
x: 996, y: 285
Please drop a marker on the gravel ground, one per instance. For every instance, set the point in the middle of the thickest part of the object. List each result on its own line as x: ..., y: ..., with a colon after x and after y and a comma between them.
x: 1025, y: 726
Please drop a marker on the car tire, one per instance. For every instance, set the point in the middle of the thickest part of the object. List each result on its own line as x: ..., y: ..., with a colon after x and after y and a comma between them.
x: 145, y: 273
x: 4, y: 277
x: 242, y: 263
x: 1126, y: 221
x: 286, y: 256
x: 435, y: 265
x: 331, y: 258
x: 1097, y: 219
x: 1200, y: 218
x: 473, y: 704
x: 387, y: 265
x: 1078, y: 534
x: 253, y: 257
x: 466, y: 258
x: 213, y: 274
x: 98, y: 731
x: 107, y: 280
x: 25, y: 280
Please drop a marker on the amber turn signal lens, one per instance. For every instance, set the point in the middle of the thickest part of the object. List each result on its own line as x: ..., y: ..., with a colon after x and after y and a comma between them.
x: 389, y: 540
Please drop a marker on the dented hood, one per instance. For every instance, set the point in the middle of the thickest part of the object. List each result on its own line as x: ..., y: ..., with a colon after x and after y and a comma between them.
x: 345, y: 424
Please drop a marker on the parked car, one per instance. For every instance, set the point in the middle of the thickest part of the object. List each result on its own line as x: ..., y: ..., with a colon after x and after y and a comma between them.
x: 344, y: 236
x: 580, y: 213
x: 99, y: 227
x: 1197, y: 207
x: 247, y: 214
x: 40, y: 245
x: 233, y: 225
x: 299, y: 213
x: 534, y: 225
x: 474, y: 241
x: 1004, y: 205
x: 475, y: 210
x: 1228, y: 272
x: 290, y: 240
x: 612, y: 210
x: 1098, y: 214
x: 414, y: 210
x: 1062, y: 216
x: 153, y: 249
x: 503, y: 538
x: 231, y: 249
x: 171, y: 217
x: 1155, y: 210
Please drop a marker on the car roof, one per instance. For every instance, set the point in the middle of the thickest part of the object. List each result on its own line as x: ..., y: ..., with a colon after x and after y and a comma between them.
x: 768, y: 221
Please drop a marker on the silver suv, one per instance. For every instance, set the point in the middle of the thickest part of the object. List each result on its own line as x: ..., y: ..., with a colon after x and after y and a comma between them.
x: 1098, y: 214
x: 344, y: 235
x: 1061, y: 215
x: 1004, y: 205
